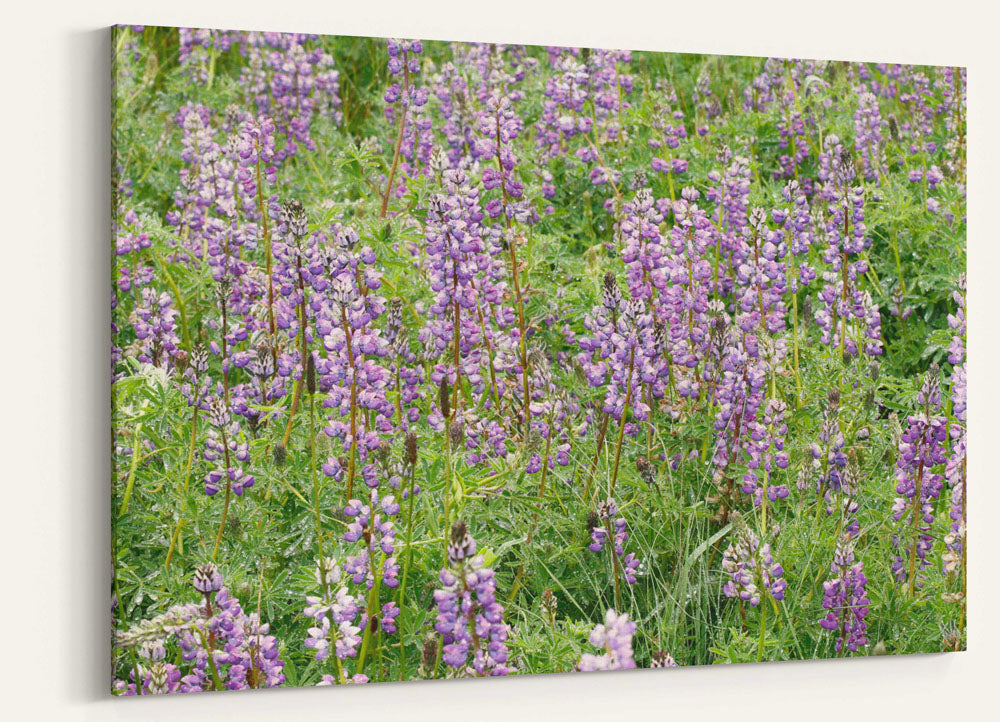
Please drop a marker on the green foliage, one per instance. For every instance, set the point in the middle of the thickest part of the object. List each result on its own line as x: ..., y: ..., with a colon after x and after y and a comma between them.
x: 164, y: 525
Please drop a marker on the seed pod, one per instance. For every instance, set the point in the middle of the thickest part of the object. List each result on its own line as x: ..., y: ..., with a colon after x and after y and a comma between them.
x: 411, y: 448
x: 311, y: 375
x: 647, y: 471
x: 444, y: 398
x: 428, y: 655
x: 850, y: 478
x: 893, y: 128
x: 279, y: 454
x: 807, y: 310
x: 457, y: 433
x: 549, y: 605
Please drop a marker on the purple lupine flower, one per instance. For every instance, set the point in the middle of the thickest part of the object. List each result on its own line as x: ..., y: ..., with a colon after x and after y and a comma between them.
x: 402, y: 367
x: 730, y: 192
x: 244, y: 655
x: 760, y: 275
x: 955, y: 468
x: 156, y: 678
x: 551, y: 408
x: 765, y: 89
x: 405, y: 107
x: 467, y: 275
x: 669, y: 122
x: 646, y: 259
x: 683, y: 305
x: 199, y: 153
x: 154, y: 320
x: 352, y: 375
x: 739, y: 394
x: 828, y: 456
x: 642, y: 248
x: 921, y: 452
x: 451, y: 90
x: 608, y: 85
x: 614, y: 639
x: 225, y: 446
x: 797, y: 224
x: 499, y: 125
x: 409, y: 102
x: 953, y: 85
x: 243, y: 645
x: 335, y: 614
x: 608, y: 521
x: 469, y: 618
x: 845, y: 238
x: 869, y: 135
x: 207, y: 578
x: 372, y: 523
x: 792, y: 124
x: 196, y: 46
x: 622, y: 351
x: 564, y: 115
x: 291, y: 82
x: 707, y: 104
x: 845, y: 599
x: 766, y: 452
x: 753, y: 573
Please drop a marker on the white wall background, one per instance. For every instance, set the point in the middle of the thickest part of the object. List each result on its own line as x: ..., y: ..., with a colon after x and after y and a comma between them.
x: 54, y: 515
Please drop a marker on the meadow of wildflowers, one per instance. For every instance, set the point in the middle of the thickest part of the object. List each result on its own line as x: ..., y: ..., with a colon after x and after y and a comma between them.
x: 442, y: 360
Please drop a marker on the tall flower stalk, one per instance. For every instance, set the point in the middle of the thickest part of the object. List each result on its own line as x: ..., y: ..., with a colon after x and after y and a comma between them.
x: 403, y: 59
x: 921, y: 451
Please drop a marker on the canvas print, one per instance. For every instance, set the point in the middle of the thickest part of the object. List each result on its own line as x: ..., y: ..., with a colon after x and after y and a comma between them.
x: 458, y: 359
